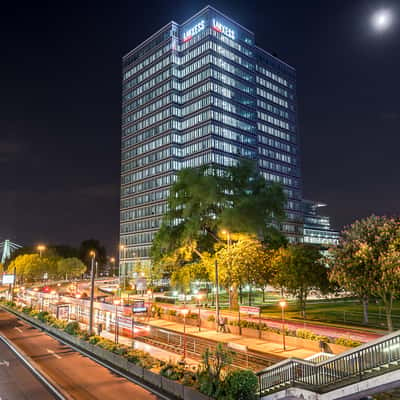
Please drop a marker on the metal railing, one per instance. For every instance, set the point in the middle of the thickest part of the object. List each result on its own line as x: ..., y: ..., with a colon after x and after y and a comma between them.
x: 195, y: 346
x: 363, y: 362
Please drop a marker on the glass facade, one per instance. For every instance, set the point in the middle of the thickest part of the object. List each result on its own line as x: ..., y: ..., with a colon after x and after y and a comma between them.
x: 317, y: 228
x: 202, y: 93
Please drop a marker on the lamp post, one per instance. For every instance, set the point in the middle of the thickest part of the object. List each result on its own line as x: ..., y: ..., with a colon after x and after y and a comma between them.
x: 41, y: 248
x: 112, y: 261
x: 216, y: 296
x: 121, y: 256
x: 199, y: 297
x: 283, y: 304
x: 133, y: 329
x: 93, y: 256
x: 228, y: 237
x: 184, y: 313
x: 116, y: 302
x: 78, y: 307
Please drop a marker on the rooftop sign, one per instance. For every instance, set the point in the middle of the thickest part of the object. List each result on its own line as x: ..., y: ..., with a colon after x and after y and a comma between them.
x: 219, y: 27
x: 194, y: 30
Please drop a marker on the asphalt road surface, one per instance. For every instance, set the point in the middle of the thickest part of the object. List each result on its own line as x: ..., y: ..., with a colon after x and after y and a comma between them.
x: 17, y: 382
x: 79, y: 376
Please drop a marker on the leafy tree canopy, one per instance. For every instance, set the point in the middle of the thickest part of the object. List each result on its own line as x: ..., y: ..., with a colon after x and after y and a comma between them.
x: 203, y: 202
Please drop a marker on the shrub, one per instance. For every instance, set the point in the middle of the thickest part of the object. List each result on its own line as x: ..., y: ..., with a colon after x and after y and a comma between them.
x: 347, y: 342
x: 240, y: 385
x: 94, y: 339
x: 211, y: 318
x: 172, y: 371
x: 42, y: 316
x: 72, y: 328
x: 85, y: 335
x: 26, y: 310
x: 172, y: 312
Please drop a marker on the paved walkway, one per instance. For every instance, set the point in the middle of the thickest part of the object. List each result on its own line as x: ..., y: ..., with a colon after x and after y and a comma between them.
x: 320, y: 329
x: 251, y: 343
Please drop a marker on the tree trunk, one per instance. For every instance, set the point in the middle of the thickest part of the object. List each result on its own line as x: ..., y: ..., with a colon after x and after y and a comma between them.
x: 263, y: 294
x: 234, y: 301
x: 365, y: 310
x: 388, y: 310
x: 240, y: 294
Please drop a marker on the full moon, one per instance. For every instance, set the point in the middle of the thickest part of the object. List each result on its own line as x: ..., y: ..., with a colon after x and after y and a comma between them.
x: 382, y: 20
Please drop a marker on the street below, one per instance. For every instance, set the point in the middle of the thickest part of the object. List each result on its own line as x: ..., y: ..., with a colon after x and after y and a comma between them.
x: 75, y: 374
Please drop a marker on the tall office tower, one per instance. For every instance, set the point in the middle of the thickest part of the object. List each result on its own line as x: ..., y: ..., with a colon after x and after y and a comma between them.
x: 201, y: 93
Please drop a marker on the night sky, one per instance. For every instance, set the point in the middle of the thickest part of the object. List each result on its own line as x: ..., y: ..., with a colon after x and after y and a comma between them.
x: 61, y: 105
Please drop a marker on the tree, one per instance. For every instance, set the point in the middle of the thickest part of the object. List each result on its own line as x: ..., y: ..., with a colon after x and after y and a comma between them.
x: 70, y: 267
x: 355, y: 261
x: 244, y: 261
x: 30, y: 267
x: 389, y: 280
x: 202, y: 202
x: 93, y: 245
x: 299, y: 269
x: 212, y: 371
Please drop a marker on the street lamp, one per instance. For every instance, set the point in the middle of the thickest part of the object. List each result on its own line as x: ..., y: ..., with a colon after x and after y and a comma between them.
x: 283, y: 304
x: 116, y: 303
x: 112, y: 261
x: 121, y: 255
x: 41, y: 248
x: 199, y: 297
x: 184, y: 313
x: 93, y: 256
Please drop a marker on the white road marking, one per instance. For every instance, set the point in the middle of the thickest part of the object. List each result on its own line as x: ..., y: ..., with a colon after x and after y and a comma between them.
x: 54, y: 354
x: 5, y: 362
x: 18, y: 329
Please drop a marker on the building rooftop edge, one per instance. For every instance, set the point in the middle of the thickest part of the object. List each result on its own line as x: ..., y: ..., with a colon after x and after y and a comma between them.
x: 276, y: 58
x: 149, y: 38
x: 208, y: 7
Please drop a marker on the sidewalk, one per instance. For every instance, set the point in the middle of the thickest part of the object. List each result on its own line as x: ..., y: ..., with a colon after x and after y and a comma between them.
x: 251, y: 343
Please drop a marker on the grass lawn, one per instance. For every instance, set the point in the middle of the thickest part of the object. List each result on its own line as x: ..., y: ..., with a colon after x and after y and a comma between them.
x: 338, y: 311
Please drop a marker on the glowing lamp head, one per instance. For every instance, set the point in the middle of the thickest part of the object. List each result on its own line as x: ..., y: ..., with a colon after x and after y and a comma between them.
x: 382, y: 20
x: 199, y: 296
x: 53, y: 292
x: 78, y: 296
x: 41, y: 247
x: 36, y: 289
x: 282, y: 303
x: 92, y: 253
x: 116, y: 302
x: 184, y: 312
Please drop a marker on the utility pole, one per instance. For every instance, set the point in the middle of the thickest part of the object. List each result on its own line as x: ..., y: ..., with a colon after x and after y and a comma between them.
x: 93, y: 255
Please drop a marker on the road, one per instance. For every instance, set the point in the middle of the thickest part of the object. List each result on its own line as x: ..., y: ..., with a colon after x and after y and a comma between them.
x: 79, y: 376
x: 17, y: 381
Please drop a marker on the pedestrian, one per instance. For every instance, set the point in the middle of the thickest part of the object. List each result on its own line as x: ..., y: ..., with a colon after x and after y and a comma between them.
x: 221, y: 323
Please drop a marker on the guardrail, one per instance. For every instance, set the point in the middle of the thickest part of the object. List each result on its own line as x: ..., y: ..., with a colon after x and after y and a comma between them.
x: 371, y: 359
